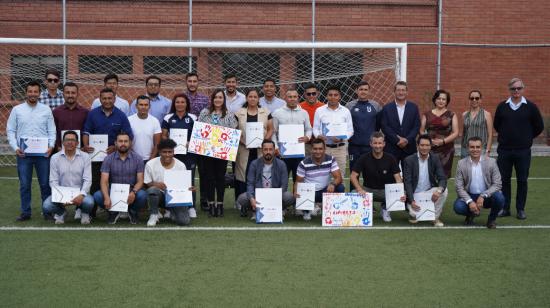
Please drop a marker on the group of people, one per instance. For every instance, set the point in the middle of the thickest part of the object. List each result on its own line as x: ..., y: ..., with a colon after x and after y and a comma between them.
x: 392, y: 143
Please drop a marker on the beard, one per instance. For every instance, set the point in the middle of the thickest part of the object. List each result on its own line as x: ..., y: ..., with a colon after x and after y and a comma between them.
x: 123, y: 149
x: 268, y: 157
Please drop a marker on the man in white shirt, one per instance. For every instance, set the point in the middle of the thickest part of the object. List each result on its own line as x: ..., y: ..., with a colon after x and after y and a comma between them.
x: 478, y: 185
x: 269, y: 100
x: 234, y: 99
x: 111, y: 81
x: 330, y: 118
x: 146, y: 129
x: 154, y: 180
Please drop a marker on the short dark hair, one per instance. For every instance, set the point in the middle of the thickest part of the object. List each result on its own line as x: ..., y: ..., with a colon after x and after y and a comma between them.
x: 318, y: 141
x: 334, y: 88
x: 178, y: 95
x: 400, y: 83
x: 52, y: 71
x: 106, y: 90
x: 166, y: 144
x: 109, y: 77
x: 475, y: 91
x: 70, y: 84
x: 269, y: 79
x: 123, y: 133
x: 363, y: 83
x: 32, y: 83
x: 228, y: 76
x: 475, y: 138
x: 191, y: 74
x: 153, y: 77
x: 439, y: 92
x: 143, y: 97
x: 266, y: 141
x: 310, y: 86
x: 377, y: 134
x: 425, y: 137
x: 70, y: 132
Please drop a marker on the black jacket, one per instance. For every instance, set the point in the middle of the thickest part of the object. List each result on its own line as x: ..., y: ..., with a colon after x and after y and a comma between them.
x: 411, y: 171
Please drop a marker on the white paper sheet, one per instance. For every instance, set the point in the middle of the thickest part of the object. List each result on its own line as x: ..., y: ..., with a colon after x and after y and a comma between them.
x: 338, y: 130
x: 178, y: 183
x: 74, y: 130
x: 288, y: 140
x: 306, y: 201
x: 34, y: 146
x: 254, y: 134
x: 179, y: 135
x: 394, y: 192
x: 427, y: 208
x: 100, y: 144
x: 119, y: 197
x: 63, y: 194
x: 269, y: 208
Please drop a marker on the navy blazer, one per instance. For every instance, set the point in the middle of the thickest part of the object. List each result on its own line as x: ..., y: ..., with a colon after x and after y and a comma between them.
x: 389, y: 122
x: 411, y: 171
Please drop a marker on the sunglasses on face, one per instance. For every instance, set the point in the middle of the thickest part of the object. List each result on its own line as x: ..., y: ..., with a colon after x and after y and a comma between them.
x: 516, y: 89
x: 475, y: 98
x: 52, y: 80
x: 311, y: 93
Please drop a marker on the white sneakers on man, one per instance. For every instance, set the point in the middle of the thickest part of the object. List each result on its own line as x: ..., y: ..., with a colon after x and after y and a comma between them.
x: 386, y: 215
x: 59, y: 219
x: 153, y: 219
x: 192, y: 212
x: 77, y: 214
x: 85, y: 219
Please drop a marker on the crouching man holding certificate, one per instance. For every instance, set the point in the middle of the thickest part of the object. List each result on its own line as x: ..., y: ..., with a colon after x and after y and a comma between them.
x: 157, y: 184
x: 265, y: 172
x: 125, y: 167
x: 70, y: 180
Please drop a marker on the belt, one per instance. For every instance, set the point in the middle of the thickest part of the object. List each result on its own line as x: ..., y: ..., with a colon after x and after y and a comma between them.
x: 336, y: 145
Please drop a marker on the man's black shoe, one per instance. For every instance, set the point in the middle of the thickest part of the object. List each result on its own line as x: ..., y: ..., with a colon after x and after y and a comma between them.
x: 48, y: 217
x: 491, y: 224
x: 469, y: 221
x: 133, y: 216
x: 504, y: 213
x: 204, y: 206
x: 113, y: 217
x: 23, y: 217
x: 521, y: 215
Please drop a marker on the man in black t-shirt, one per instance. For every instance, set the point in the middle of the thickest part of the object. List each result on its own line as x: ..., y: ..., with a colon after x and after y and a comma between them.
x: 378, y: 169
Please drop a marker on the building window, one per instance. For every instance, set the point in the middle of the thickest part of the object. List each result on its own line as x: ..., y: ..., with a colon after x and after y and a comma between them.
x: 251, y: 68
x: 26, y: 68
x: 171, y: 65
x: 105, y: 64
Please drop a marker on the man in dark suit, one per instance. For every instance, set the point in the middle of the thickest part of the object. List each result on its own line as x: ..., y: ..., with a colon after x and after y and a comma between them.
x: 424, y: 172
x: 400, y: 123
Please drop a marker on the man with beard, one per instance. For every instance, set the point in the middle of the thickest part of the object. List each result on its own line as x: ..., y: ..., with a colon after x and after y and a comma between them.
x: 111, y: 82
x: 197, y: 100
x: 234, y: 99
x: 31, y: 119
x: 269, y: 100
x: 123, y: 166
x: 159, y: 105
x: 265, y: 172
x: 71, y: 115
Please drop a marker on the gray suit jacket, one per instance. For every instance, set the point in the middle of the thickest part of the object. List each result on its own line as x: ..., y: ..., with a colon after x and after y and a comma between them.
x: 463, y: 179
x: 411, y: 172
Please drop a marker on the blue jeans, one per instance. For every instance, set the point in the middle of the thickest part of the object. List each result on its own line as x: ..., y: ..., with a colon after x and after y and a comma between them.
x: 139, y: 202
x: 49, y: 207
x: 24, y: 171
x: 319, y: 194
x: 495, y: 203
x: 521, y: 160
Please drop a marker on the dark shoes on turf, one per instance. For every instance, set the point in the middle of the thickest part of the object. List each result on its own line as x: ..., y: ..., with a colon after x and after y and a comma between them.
x: 469, y: 221
x: 491, y: 224
x: 113, y: 217
x: 504, y: 213
x: 521, y: 215
x: 23, y: 217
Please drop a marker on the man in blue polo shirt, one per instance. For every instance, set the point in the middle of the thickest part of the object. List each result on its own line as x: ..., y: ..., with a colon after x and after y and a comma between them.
x: 105, y: 120
x: 160, y: 105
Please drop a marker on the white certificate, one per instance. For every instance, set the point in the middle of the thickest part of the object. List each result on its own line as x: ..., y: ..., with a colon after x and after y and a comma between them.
x: 119, y: 197
x: 427, y: 209
x: 178, y: 183
x: 100, y: 144
x: 254, y: 135
x: 288, y: 140
x: 34, y: 146
x: 179, y: 135
x: 269, y: 205
x: 338, y: 130
x: 77, y: 133
x: 394, y: 192
x: 306, y: 201
x: 63, y: 194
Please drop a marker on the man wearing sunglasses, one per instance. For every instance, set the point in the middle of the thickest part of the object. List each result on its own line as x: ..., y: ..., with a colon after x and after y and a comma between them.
x: 310, y: 104
x: 517, y: 122
x: 52, y: 96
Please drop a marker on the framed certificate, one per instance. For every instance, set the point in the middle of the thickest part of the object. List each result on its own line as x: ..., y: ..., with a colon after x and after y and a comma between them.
x: 34, y: 146
x: 178, y: 183
x: 100, y: 143
x: 306, y: 201
x: 269, y: 207
x: 427, y: 208
x: 394, y: 192
x: 254, y: 135
x: 62, y: 194
x: 179, y: 135
x: 289, y: 147
x: 119, y: 197
x: 338, y: 130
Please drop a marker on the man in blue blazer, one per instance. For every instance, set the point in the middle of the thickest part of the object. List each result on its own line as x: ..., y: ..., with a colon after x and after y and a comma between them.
x: 400, y: 123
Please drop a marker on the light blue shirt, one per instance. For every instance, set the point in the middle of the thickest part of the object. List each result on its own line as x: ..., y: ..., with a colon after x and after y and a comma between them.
x: 159, y: 107
x: 30, y: 121
x: 75, y: 172
x: 477, y: 185
x: 423, y: 175
x: 513, y: 105
x: 273, y: 104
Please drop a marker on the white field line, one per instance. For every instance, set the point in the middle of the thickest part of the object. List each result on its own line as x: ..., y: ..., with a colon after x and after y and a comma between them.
x: 13, y: 178
x: 161, y: 229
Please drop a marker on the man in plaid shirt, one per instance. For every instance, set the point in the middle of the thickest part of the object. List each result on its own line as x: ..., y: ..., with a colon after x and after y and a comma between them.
x: 52, y: 96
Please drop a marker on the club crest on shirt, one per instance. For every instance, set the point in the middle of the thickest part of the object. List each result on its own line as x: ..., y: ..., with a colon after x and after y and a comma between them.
x: 356, y: 109
x: 173, y: 120
x: 187, y: 120
x: 369, y: 109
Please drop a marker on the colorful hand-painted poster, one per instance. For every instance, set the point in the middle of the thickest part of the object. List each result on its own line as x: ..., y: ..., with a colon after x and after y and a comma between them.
x: 214, y: 141
x: 347, y: 210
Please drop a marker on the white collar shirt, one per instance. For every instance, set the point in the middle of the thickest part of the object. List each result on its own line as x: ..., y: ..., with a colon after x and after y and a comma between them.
x: 516, y: 106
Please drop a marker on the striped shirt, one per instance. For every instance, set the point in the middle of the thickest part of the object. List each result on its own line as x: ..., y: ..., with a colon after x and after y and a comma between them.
x: 476, y: 126
x: 318, y: 174
x: 123, y: 171
x: 75, y: 172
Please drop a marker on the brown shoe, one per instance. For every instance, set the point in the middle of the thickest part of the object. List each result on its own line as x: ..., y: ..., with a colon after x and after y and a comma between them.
x: 491, y: 224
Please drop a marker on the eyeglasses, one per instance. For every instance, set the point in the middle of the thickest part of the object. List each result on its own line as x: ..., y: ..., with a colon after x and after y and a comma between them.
x: 516, y: 89
x: 52, y: 80
x: 311, y: 93
x: 475, y: 98
x: 70, y: 140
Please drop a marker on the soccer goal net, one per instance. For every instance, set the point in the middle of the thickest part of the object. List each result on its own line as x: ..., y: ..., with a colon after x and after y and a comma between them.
x: 290, y: 64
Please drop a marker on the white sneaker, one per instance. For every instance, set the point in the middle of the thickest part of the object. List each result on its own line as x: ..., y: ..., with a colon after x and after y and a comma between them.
x: 298, y: 213
x: 386, y: 216
x: 316, y: 209
x: 85, y: 219
x: 153, y: 219
x: 123, y: 215
x: 166, y: 214
x: 78, y: 214
x: 59, y: 219
x: 192, y: 212
x: 307, y: 215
